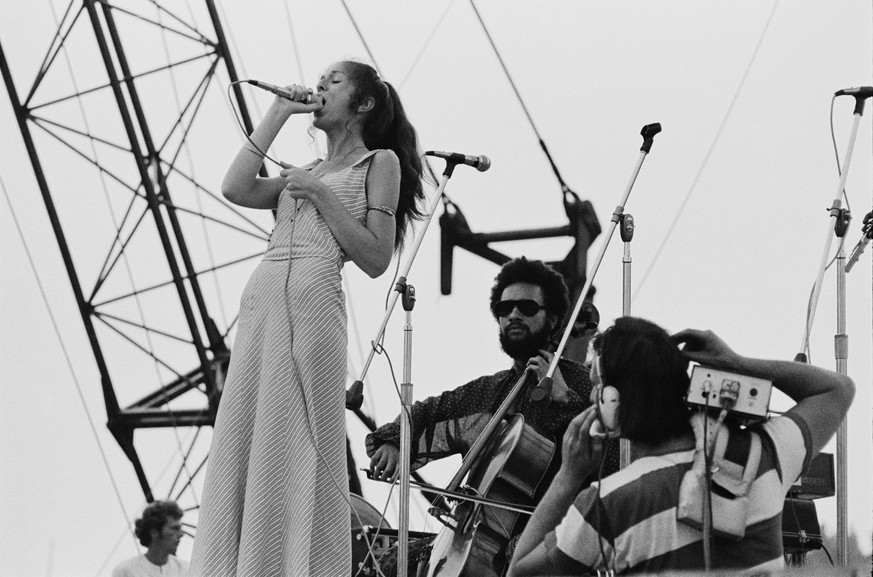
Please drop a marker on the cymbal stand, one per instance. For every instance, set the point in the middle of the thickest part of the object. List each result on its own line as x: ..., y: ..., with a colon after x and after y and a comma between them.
x: 648, y: 133
x: 837, y: 224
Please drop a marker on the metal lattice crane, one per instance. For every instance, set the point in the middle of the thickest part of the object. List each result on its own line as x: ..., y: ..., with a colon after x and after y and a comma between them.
x: 145, y: 321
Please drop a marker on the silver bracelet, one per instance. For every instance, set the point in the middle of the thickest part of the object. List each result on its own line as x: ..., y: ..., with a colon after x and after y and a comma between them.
x: 386, y: 209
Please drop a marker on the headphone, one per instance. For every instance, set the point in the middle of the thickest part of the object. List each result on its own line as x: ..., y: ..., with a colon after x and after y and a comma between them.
x: 608, y: 402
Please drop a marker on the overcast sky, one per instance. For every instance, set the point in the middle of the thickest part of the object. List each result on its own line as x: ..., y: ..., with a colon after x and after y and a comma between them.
x: 731, y: 209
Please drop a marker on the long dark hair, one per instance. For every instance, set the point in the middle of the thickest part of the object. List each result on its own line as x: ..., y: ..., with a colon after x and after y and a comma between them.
x: 388, y: 127
x: 639, y: 358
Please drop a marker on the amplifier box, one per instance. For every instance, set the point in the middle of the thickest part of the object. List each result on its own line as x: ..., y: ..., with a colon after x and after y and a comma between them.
x: 752, y: 394
x: 800, y: 529
x: 817, y: 481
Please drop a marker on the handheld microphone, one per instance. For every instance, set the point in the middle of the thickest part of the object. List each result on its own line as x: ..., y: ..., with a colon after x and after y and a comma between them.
x: 480, y: 163
x: 283, y: 93
x: 857, y: 92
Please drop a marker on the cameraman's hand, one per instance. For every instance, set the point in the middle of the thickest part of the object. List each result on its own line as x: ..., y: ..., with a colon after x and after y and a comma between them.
x: 706, y: 348
x: 580, y: 452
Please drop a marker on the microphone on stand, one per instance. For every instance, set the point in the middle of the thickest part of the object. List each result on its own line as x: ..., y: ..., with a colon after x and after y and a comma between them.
x: 284, y: 93
x: 857, y: 92
x: 480, y: 163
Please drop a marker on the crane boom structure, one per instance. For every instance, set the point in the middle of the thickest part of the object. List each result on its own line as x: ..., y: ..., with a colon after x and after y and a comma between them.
x: 153, y: 204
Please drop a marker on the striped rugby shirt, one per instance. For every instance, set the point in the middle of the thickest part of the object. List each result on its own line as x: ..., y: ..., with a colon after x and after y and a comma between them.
x: 637, y: 513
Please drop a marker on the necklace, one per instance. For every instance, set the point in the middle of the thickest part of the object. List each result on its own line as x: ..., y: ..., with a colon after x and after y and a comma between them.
x: 324, y: 166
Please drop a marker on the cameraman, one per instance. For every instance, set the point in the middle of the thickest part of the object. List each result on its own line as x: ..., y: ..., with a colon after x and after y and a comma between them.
x: 629, y: 522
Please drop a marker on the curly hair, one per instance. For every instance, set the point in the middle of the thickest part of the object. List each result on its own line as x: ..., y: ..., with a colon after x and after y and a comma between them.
x: 155, y: 516
x: 538, y: 273
x: 387, y: 127
x: 639, y: 358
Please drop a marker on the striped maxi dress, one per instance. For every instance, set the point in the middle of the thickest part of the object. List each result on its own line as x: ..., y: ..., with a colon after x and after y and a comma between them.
x: 273, y: 504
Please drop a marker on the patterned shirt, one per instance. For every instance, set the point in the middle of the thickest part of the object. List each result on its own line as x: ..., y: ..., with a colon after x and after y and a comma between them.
x: 449, y: 423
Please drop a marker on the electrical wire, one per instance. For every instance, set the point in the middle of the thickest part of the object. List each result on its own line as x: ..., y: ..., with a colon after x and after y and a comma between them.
x: 424, y: 46
x: 708, y: 154
x: 67, y: 358
x: 208, y: 241
x: 291, y: 33
x: 842, y: 239
x: 608, y: 563
x: 138, y: 304
x: 361, y: 37
x: 565, y: 190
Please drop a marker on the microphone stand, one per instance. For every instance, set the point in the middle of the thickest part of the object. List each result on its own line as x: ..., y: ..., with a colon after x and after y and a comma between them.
x: 355, y: 394
x: 405, y: 434
x: 648, y: 133
x: 837, y: 214
x: 626, y: 231
x: 837, y: 225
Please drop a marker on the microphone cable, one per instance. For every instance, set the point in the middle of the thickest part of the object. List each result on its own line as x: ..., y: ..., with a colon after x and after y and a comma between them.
x: 242, y: 128
x: 610, y: 571
x: 842, y: 238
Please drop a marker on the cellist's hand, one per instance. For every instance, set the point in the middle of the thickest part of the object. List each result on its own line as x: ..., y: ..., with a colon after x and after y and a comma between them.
x: 580, y: 452
x: 384, y: 464
x: 540, y: 364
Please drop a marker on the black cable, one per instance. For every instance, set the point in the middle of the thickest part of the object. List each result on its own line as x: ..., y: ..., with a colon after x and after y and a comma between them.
x: 597, y: 508
x: 243, y: 128
x: 361, y: 37
x: 693, y: 187
x: 825, y: 549
x: 564, y: 188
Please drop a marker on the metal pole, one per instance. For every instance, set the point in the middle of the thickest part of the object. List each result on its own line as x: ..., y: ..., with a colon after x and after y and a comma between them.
x: 626, y: 230
x: 405, y: 434
x: 841, y: 354
x: 836, y: 227
x: 649, y: 131
x: 832, y: 223
x: 355, y: 393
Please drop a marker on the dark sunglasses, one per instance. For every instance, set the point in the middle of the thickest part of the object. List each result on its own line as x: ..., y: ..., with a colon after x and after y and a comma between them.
x: 526, y: 307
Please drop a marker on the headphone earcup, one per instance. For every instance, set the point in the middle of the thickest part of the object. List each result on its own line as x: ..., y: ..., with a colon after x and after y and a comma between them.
x: 608, y: 403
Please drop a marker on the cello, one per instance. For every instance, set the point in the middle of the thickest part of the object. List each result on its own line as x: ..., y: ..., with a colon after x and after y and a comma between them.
x: 505, y: 465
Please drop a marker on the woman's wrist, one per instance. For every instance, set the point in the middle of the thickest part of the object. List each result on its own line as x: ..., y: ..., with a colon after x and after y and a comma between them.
x: 278, y: 111
x: 319, y: 194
